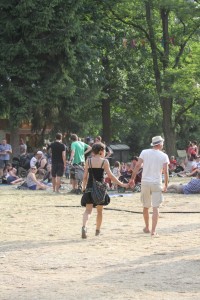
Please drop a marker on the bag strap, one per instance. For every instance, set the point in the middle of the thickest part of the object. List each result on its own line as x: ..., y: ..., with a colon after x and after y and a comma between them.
x: 90, y: 165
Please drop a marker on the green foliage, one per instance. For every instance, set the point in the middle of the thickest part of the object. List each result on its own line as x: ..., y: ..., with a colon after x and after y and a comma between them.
x: 60, y: 59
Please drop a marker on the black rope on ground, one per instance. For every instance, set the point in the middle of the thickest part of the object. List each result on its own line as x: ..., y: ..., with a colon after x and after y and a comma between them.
x: 136, y: 212
x: 161, y: 212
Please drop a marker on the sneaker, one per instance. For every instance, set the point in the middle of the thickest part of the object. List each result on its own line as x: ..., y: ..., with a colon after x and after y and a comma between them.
x: 97, y: 232
x: 84, y: 232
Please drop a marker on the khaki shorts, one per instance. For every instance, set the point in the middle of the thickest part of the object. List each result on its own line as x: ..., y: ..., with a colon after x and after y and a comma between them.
x: 151, y: 194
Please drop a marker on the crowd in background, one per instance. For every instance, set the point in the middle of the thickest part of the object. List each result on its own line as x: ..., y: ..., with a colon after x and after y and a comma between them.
x: 38, y: 166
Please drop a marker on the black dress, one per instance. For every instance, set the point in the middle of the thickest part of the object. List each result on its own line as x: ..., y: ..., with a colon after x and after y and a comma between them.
x: 98, y: 174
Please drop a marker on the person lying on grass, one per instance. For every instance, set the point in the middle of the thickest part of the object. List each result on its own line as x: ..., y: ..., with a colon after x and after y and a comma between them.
x: 192, y: 187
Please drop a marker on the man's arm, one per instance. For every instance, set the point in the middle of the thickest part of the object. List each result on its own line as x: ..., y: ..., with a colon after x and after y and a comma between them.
x: 9, y: 150
x: 135, y: 171
x: 89, y: 148
x: 109, y: 152
x: 72, y: 155
x: 166, y: 176
x: 64, y: 157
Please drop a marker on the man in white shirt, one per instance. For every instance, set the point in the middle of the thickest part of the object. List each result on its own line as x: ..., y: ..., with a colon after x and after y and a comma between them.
x: 33, y: 160
x: 154, y: 162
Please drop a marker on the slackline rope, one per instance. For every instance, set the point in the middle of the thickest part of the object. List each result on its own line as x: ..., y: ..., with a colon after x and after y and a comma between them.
x: 136, y: 212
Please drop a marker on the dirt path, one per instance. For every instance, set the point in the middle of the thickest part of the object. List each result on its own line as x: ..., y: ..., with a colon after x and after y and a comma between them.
x: 42, y: 256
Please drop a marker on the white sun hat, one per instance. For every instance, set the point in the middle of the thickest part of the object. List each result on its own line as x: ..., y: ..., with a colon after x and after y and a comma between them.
x: 156, y: 140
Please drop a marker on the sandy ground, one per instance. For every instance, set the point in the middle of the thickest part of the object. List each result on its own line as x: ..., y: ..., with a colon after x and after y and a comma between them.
x: 43, y: 257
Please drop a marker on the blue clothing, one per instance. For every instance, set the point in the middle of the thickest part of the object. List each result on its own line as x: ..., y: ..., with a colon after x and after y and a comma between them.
x: 11, y: 179
x: 192, y: 187
x: 33, y: 187
x: 4, y: 148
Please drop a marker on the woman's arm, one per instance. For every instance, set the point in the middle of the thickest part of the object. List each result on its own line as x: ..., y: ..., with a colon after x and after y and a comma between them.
x: 35, y: 180
x: 85, y: 176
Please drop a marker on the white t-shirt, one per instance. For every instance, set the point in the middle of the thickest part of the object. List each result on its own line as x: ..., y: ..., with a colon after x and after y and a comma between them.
x: 153, y: 161
x: 33, y: 161
x: 190, y: 166
x: 116, y: 172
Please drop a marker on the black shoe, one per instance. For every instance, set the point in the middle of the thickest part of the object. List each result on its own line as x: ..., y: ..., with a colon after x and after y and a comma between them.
x: 84, y: 233
x: 72, y: 191
x: 97, y: 232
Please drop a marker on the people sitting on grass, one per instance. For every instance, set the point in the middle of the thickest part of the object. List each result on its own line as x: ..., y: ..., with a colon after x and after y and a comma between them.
x: 10, y: 175
x: 196, y: 170
x: 190, y: 165
x: 192, y: 187
x: 116, y: 173
x: 41, y: 164
x: 32, y: 182
x: 172, y: 164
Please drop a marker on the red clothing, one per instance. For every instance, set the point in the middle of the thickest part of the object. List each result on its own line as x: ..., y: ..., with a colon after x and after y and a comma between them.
x: 172, y: 164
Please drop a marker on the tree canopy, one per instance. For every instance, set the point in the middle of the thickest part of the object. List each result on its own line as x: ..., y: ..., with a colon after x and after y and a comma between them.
x: 125, y: 69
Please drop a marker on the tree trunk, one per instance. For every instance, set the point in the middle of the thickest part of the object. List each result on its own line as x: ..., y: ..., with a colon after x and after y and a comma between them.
x: 106, y: 121
x: 168, y: 128
x: 14, y: 141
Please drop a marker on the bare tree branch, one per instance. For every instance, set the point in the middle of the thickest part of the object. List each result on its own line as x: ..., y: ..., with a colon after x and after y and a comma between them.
x: 182, y: 46
x: 182, y: 111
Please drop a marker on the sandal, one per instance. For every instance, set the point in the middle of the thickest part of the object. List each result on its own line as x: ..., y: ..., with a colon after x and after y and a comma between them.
x: 84, y: 232
x: 154, y: 235
x: 97, y: 232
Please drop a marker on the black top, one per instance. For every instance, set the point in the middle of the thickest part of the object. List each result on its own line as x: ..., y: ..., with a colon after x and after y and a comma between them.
x: 57, y: 148
x: 98, y: 174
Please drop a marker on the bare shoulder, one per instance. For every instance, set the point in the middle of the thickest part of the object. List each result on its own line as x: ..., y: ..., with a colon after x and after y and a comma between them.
x: 105, y: 162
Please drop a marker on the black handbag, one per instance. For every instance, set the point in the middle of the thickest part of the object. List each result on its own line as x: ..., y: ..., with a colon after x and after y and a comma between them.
x: 99, y: 189
x: 84, y: 199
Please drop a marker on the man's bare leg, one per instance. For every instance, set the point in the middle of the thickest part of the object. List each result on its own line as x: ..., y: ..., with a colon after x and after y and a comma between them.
x: 155, y: 217
x: 54, y: 183
x: 58, y: 183
x: 74, y: 184
x: 146, y: 219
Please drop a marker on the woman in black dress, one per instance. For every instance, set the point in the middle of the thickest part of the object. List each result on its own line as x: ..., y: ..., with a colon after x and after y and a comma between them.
x: 99, y: 165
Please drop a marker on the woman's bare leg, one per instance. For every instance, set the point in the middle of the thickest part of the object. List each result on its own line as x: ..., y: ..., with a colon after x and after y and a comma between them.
x: 17, y: 181
x: 87, y: 214
x: 99, y: 217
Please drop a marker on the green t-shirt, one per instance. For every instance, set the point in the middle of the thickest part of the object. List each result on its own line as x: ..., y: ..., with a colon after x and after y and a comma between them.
x: 79, y: 149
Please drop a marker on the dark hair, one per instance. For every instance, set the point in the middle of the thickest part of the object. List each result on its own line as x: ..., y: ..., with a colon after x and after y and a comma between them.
x: 117, y: 164
x: 58, y: 136
x: 135, y: 158
x: 74, y: 137
x: 97, y: 147
x: 192, y: 157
